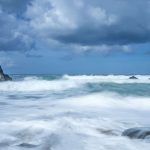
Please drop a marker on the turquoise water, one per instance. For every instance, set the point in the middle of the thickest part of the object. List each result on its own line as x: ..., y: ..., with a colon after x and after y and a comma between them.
x: 63, y: 112
x: 135, y: 88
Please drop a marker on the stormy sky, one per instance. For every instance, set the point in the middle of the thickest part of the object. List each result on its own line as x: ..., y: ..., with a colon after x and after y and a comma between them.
x: 75, y: 36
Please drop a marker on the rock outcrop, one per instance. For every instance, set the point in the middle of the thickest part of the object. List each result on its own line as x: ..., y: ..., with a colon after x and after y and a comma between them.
x: 137, y: 133
x: 4, y: 77
x: 133, y: 77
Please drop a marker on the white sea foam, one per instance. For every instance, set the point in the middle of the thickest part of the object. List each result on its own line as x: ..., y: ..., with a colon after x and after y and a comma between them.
x: 109, y: 78
x: 66, y: 82
x: 94, y: 121
x: 31, y: 84
x: 108, y: 100
x: 80, y: 123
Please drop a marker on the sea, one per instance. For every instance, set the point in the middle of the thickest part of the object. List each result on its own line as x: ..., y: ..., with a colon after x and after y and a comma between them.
x: 73, y: 112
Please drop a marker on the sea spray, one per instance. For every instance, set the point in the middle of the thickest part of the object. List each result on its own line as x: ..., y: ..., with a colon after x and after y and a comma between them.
x: 73, y: 112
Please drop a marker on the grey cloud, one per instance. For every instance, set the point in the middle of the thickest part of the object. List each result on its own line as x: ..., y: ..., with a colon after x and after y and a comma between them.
x: 132, y: 24
x: 113, y: 35
x: 94, y: 22
x: 84, y: 24
x: 15, y: 44
x: 14, y: 6
x: 12, y: 34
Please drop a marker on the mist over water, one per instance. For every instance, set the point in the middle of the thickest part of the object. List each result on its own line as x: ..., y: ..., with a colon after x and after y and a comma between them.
x: 73, y: 112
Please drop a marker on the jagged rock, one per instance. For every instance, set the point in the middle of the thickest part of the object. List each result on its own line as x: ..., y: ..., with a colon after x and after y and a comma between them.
x: 107, y: 132
x: 137, y: 133
x: 7, y: 77
x: 27, y: 145
x: 133, y: 77
x: 4, y: 77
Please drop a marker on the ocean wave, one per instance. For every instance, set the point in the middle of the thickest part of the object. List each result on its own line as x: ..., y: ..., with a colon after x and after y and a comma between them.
x: 78, y: 122
x: 120, y: 79
x: 37, y: 85
x: 40, y: 83
x: 94, y: 121
x: 108, y: 100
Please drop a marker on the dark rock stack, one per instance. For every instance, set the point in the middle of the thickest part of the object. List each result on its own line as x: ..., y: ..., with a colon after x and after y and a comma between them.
x: 137, y: 133
x: 4, y: 77
x: 133, y: 77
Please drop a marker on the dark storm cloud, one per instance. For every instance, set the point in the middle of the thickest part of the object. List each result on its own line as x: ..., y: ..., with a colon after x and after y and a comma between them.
x: 106, y: 35
x: 73, y: 24
x: 13, y: 31
x: 16, y: 44
x: 130, y: 24
x: 14, y: 6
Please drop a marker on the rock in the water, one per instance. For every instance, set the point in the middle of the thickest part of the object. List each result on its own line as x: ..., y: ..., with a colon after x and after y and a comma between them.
x: 7, y: 77
x: 27, y: 145
x: 4, y: 77
x: 107, y: 132
x: 133, y: 77
x: 137, y: 133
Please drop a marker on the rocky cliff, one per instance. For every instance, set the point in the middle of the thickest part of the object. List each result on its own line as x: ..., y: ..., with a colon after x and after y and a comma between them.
x: 4, y: 77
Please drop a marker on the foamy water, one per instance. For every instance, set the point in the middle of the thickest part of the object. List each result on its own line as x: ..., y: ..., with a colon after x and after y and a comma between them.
x: 73, y: 112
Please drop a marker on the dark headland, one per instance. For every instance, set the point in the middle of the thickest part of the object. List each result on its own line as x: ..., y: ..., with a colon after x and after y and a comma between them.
x: 3, y: 76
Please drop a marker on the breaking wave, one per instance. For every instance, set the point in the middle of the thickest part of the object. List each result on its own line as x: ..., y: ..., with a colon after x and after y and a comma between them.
x: 91, y: 116
x: 35, y: 83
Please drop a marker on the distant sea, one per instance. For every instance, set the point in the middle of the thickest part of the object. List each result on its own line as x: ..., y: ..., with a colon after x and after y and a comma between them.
x: 78, y: 112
